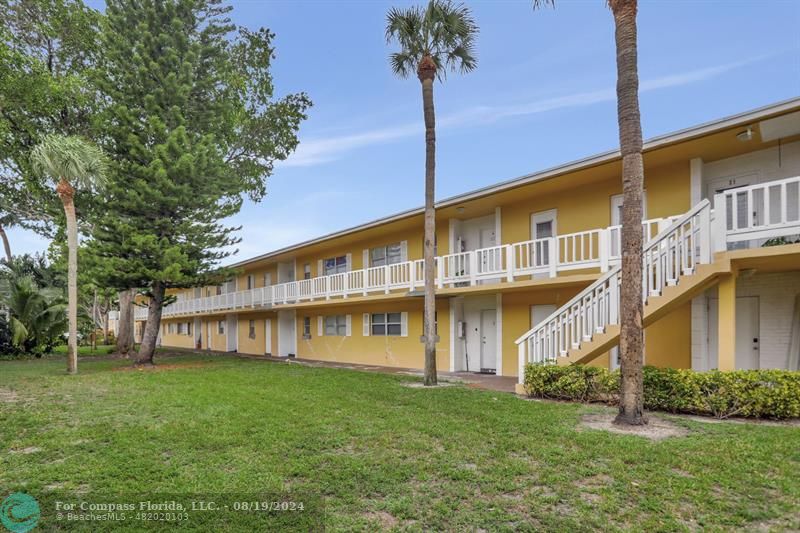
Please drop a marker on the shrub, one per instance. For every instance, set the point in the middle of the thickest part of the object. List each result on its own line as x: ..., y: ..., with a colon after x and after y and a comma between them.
x: 748, y: 393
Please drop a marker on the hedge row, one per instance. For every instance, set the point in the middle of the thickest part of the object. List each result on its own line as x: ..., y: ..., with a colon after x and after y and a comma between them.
x: 748, y: 393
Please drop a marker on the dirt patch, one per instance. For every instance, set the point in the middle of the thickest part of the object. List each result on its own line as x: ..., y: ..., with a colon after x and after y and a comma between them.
x: 386, y: 520
x: 26, y: 451
x: 158, y: 368
x: 8, y: 396
x: 421, y: 385
x: 656, y: 429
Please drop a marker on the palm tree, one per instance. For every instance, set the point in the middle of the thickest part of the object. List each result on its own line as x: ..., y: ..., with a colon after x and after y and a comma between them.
x: 71, y: 163
x: 35, y: 316
x: 433, y: 40
x: 631, y: 337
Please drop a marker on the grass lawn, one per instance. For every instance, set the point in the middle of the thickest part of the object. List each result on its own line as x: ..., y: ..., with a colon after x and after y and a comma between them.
x: 381, y: 455
x: 102, y: 349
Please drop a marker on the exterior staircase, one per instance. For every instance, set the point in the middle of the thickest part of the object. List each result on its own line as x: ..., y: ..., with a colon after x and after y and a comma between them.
x: 677, y: 264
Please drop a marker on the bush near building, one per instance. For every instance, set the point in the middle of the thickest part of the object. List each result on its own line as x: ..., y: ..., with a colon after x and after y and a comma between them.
x: 746, y: 393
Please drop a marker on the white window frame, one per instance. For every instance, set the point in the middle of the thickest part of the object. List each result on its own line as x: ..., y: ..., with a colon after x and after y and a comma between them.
x: 337, y: 267
x: 335, y: 325
x: 380, y: 323
x: 220, y: 327
x: 387, y: 259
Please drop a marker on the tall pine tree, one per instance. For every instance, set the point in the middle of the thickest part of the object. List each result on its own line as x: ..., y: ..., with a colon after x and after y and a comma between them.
x: 192, y: 126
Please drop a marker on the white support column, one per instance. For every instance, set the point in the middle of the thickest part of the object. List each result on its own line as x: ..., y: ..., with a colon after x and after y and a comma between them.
x: 509, y: 251
x: 453, y: 333
x: 472, y: 261
x: 719, y: 228
x: 521, y: 349
x: 696, y: 181
x: 499, y: 333
x: 440, y: 273
x: 553, y: 251
x: 605, y: 249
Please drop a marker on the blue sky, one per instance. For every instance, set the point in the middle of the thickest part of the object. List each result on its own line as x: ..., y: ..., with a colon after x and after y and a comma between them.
x: 543, y: 94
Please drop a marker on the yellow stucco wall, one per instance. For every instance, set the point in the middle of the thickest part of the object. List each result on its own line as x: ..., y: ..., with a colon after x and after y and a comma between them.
x: 668, y: 342
x: 175, y: 339
x: 394, y: 351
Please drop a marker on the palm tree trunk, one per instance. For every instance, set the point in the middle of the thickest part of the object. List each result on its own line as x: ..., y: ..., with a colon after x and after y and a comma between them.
x: 427, y: 70
x: 125, y: 331
x: 66, y: 192
x: 150, y: 336
x: 6, y: 245
x: 631, y: 339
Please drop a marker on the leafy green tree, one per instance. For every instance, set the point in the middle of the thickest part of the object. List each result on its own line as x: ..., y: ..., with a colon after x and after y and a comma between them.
x: 36, y: 317
x: 432, y: 41
x: 631, y: 336
x: 192, y: 127
x: 71, y: 163
x: 46, y: 50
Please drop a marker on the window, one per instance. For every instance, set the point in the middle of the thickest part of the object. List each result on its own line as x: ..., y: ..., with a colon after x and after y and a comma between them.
x: 386, y: 324
x: 251, y: 282
x: 307, y: 271
x: 386, y: 255
x: 335, y: 265
x: 336, y: 326
x: 306, y: 327
x: 251, y: 332
x: 171, y: 328
x: 221, y: 327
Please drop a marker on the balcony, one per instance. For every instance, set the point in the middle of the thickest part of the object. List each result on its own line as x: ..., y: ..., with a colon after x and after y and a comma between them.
x: 761, y: 211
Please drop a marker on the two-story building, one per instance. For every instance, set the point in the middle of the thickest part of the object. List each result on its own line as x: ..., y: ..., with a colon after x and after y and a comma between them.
x: 528, y: 269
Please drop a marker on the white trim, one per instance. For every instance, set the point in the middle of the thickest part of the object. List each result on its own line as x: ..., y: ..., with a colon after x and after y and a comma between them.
x: 403, y: 251
x: 452, y: 335
x: 499, y: 322
x: 268, y: 336
x: 544, y: 216
x: 403, y: 324
x: 348, y: 326
x: 498, y: 226
x: 348, y: 258
x: 320, y: 326
x: 365, y: 258
x: 451, y: 245
x: 553, y: 172
x: 365, y: 325
x: 320, y: 268
x: 695, y: 180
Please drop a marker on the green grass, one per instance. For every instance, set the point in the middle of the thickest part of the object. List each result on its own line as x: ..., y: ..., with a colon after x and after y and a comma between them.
x: 102, y: 349
x: 380, y: 455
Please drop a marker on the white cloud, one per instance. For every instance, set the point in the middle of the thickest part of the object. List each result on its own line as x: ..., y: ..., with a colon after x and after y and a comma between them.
x: 322, y: 150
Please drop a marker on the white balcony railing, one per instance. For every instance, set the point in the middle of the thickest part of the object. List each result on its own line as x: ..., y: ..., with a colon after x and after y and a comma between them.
x: 762, y: 211
x: 593, y: 249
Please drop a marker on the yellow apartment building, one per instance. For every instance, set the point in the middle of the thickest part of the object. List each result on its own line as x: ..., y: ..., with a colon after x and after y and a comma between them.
x: 528, y: 269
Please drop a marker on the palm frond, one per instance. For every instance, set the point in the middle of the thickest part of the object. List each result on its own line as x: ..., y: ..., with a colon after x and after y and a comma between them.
x: 444, y: 31
x: 79, y: 162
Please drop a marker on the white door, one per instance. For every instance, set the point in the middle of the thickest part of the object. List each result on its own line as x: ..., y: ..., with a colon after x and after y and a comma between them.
x: 231, y: 333
x: 543, y: 226
x: 286, y: 334
x: 268, y: 336
x: 488, y: 340
x: 540, y: 312
x: 747, y: 333
x: 208, y: 335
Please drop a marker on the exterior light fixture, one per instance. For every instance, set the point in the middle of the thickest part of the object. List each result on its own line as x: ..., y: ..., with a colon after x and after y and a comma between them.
x: 746, y: 135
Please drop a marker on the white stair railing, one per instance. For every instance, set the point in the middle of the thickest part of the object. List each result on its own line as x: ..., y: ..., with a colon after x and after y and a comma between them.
x: 673, y: 253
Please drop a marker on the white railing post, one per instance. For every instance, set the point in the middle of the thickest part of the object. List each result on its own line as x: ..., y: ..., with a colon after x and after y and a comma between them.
x: 705, y: 236
x: 412, y: 275
x: 552, y: 255
x: 604, y: 245
x: 440, y: 273
x: 521, y: 349
x: 472, y: 262
x: 719, y: 229
x: 386, y: 273
x: 509, y: 263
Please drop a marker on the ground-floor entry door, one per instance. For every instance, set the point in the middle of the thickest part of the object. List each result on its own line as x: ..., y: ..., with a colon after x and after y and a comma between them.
x: 747, y: 333
x: 286, y: 334
x: 231, y: 333
x: 488, y: 336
